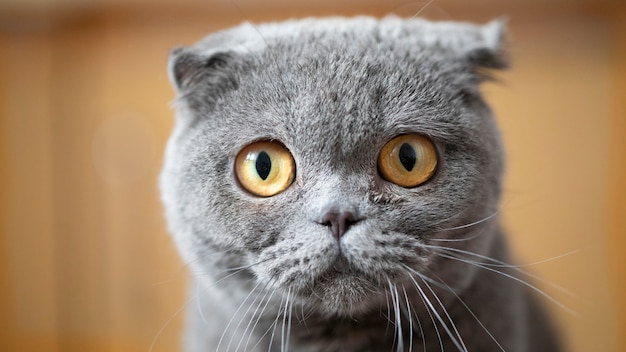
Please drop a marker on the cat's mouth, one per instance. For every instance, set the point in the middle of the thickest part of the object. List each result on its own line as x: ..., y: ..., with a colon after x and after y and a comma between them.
x: 341, y: 293
x: 340, y: 266
x: 342, y: 290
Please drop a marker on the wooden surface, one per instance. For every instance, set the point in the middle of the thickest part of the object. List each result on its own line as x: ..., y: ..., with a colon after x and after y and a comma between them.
x: 86, y: 262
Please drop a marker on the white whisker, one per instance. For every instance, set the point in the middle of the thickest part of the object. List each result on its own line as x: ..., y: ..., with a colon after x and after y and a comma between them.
x: 233, y: 317
x: 445, y: 311
x: 257, y: 306
x: 505, y: 265
x: 498, y: 263
x: 412, y: 312
x: 244, y: 315
x: 427, y: 306
x: 458, y: 344
x: 258, y: 318
x: 185, y: 268
x: 410, y: 316
x: 398, y: 336
x: 167, y: 322
x: 275, y: 324
x: 388, y: 311
x: 427, y: 278
x: 529, y: 285
x: 199, y: 306
x: 422, y: 9
x: 478, y: 234
x: 471, y: 224
x: 247, y: 266
x: 283, y: 338
x: 289, y: 323
x: 472, y: 313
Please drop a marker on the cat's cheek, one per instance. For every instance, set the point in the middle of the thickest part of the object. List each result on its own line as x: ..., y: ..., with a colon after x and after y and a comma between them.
x: 295, y: 262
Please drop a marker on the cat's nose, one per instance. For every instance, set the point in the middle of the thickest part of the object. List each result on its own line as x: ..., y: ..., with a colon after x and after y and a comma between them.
x: 339, y: 221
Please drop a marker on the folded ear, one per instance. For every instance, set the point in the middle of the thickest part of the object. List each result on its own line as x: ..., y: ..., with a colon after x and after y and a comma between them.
x: 489, y: 50
x: 188, y: 69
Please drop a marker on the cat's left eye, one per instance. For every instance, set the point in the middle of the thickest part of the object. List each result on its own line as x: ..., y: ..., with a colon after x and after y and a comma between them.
x: 408, y: 160
x: 265, y: 168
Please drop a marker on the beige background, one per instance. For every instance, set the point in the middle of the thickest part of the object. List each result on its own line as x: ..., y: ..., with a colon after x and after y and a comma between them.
x: 85, y: 262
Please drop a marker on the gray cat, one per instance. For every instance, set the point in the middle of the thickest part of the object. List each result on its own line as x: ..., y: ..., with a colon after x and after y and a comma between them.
x: 334, y: 186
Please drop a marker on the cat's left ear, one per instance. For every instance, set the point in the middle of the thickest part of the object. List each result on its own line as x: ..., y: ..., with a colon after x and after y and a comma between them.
x: 489, y: 52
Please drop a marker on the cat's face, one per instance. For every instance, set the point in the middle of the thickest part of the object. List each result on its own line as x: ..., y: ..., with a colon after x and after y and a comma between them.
x: 331, y: 157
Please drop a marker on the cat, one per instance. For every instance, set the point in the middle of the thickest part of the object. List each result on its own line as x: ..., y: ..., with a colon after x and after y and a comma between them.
x: 334, y: 185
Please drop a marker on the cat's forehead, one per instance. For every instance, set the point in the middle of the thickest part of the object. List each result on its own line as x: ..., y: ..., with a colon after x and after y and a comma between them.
x: 337, y: 83
x: 344, y: 93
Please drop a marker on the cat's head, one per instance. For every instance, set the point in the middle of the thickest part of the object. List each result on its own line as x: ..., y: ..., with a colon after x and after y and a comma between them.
x: 331, y: 156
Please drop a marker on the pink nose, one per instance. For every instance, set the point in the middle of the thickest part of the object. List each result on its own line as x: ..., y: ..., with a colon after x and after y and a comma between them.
x: 339, y: 221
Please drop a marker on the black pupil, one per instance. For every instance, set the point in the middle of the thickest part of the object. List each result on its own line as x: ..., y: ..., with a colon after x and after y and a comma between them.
x: 407, y: 156
x: 263, y: 165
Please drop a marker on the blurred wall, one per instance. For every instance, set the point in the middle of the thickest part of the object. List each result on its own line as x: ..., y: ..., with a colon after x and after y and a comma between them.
x: 85, y: 261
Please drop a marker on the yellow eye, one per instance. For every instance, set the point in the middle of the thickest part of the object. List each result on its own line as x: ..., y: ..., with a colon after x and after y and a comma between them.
x: 265, y: 168
x: 408, y: 160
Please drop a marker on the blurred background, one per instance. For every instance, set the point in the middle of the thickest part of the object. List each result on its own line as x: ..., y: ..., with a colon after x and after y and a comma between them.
x: 85, y: 260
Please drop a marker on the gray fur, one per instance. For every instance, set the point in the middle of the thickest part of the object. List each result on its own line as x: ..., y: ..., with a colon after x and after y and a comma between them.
x: 334, y: 91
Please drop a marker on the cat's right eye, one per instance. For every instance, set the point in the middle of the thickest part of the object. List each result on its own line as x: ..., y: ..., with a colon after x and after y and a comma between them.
x: 265, y: 168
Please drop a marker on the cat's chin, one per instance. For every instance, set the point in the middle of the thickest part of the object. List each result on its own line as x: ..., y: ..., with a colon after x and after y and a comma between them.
x: 344, y: 293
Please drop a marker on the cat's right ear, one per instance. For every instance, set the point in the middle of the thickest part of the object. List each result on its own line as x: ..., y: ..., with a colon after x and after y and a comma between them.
x: 187, y: 69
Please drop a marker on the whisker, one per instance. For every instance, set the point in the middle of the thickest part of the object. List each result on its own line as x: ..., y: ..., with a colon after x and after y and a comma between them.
x: 397, y: 316
x: 427, y: 278
x: 429, y: 304
x: 167, y: 322
x: 200, y: 310
x: 410, y: 316
x: 419, y: 323
x: 471, y: 224
x: 499, y: 263
x: 184, y: 268
x: 283, y: 347
x: 478, y: 234
x: 264, y: 290
x: 245, y: 314
x: 529, y: 285
x: 445, y: 311
x: 233, y: 317
x: 449, y: 218
x: 471, y: 312
x: 240, y: 270
x: 247, y: 266
x: 388, y: 311
x: 196, y: 295
x: 275, y: 324
x: 258, y: 319
x: 534, y: 277
x: 458, y: 215
x: 422, y: 9
x: 289, y: 323
x: 302, y: 320
x: 432, y: 319
x: 271, y: 326
x: 514, y: 266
